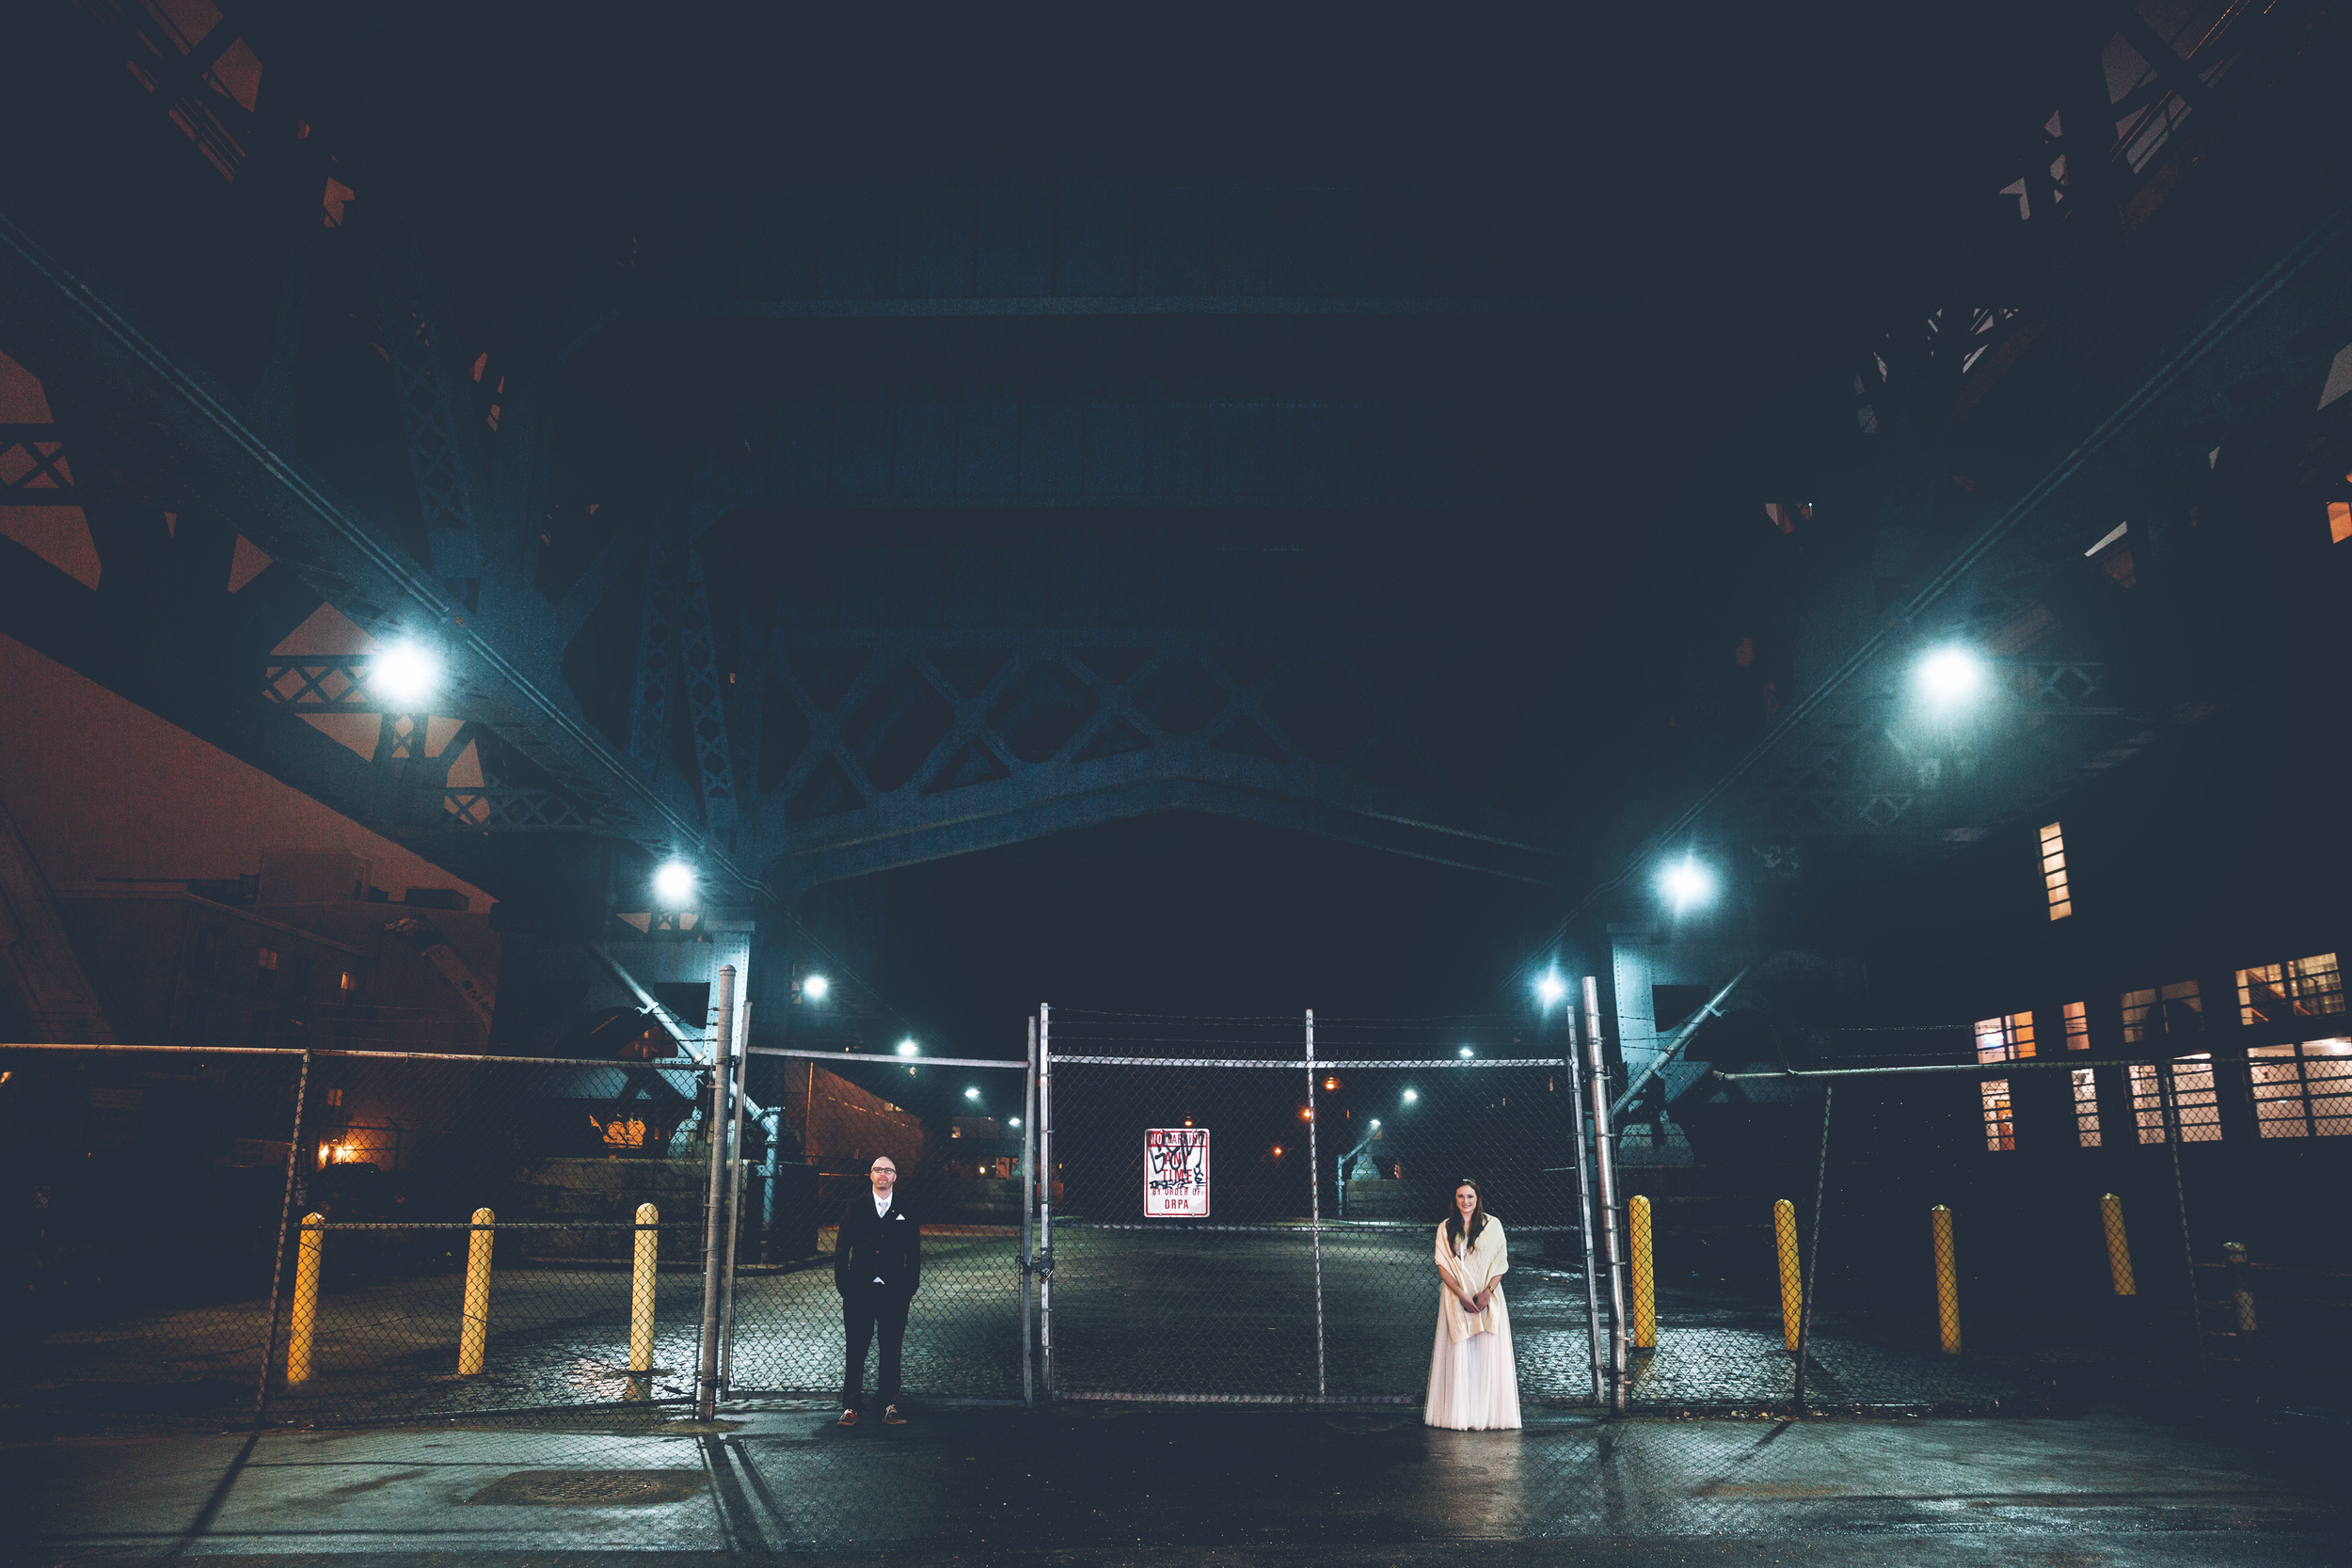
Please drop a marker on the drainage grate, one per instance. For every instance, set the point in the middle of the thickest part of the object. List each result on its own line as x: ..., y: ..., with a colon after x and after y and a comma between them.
x: 592, y: 1487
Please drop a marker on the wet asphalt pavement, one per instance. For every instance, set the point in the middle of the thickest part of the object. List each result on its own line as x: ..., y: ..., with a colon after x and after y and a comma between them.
x: 1143, y: 1485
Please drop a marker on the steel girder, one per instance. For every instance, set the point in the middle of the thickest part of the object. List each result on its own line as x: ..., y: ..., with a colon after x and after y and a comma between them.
x: 1032, y: 732
x: 196, y: 449
x: 2257, y: 358
x: 1080, y: 248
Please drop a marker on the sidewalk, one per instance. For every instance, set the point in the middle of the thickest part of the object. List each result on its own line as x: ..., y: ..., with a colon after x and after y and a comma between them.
x: 1136, y: 1485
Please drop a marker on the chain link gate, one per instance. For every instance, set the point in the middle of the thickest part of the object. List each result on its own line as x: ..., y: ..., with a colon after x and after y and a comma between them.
x: 1309, y: 1278
x: 968, y: 1325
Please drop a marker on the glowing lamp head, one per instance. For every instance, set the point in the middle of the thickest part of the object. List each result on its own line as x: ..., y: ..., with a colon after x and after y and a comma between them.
x: 1466, y: 1050
x: 1686, y: 885
x: 404, y: 675
x: 1013, y: 1121
x: 675, y: 882
x: 908, y: 1047
x: 1412, y: 1095
x: 815, y: 988
x: 1376, y: 1121
x: 1550, y: 989
x: 971, y: 1094
x: 1949, y: 677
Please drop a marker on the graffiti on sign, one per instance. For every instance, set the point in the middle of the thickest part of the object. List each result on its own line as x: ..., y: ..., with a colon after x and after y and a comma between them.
x: 1176, y: 1173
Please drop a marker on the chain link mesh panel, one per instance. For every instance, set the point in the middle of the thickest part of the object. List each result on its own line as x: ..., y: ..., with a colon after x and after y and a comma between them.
x: 960, y: 1176
x: 142, y: 1197
x: 1247, y: 1297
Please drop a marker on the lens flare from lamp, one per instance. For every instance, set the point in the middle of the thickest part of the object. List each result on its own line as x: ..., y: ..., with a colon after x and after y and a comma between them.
x: 675, y: 882
x: 1550, y: 989
x: 404, y: 675
x: 1412, y: 1095
x: 971, y: 1094
x: 1950, y: 675
x: 908, y: 1047
x: 1686, y: 885
x: 815, y: 987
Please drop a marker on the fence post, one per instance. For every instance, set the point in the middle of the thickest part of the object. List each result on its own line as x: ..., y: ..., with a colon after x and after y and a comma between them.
x: 715, y: 1126
x: 1605, y: 1162
x: 277, y: 1258
x: 1791, y: 1276
x: 2119, y: 1245
x: 2169, y: 1110
x: 643, y: 1273
x: 735, y: 1194
x: 1045, y: 1193
x: 1946, y: 1279
x: 475, y: 1329
x: 1584, y: 1211
x: 1315, y: 1187
x: 306, y: 1299
x: 1813, y: 1256
x: 1029, y: 1217
x: 1644, y: 1275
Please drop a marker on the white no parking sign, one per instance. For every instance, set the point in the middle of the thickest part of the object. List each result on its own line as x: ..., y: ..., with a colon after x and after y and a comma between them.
x: 1176, y: 1173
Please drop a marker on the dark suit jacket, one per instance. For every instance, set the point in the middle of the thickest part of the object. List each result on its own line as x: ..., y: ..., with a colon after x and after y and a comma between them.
x: 889, y: 1245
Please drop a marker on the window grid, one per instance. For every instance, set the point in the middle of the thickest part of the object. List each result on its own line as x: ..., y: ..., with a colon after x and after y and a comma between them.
x: 2303, y: 1090
x: 2299, y: 988
x: 2054, y: 873
x: 2006, y: 1038
x: 2085, y: 1107
x: 2078, y: 1022
x: 2195, y: 1104
x: 2000, y: 1122
x: 2174, y: 1010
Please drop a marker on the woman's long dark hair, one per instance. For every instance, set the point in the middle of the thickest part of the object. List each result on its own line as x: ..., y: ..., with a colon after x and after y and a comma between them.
x: 1453, y: 1214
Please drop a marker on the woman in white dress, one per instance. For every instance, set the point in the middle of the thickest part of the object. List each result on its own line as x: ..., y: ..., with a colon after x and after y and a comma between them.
x: 1473, y: 1381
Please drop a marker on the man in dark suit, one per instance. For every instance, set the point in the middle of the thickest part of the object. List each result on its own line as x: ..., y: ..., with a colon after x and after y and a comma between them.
x: 877, y: 1264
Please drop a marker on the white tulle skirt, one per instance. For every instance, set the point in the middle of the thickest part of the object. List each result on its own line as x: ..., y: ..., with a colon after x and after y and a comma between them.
x: 1474, y: 1384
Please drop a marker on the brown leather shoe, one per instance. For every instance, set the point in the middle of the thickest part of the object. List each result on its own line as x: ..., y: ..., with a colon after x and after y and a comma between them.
x: 848, y: 1418
x: 891, y: 1416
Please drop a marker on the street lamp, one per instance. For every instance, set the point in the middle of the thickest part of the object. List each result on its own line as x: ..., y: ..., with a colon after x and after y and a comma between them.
x: 404, y: 675
x: 1686, y: 885
x: 907, y: 1046
x: 1950, y: 675
x: 1550, y: 989
x: 675, y: 882
x: 1412, y: 1095
x: 815, y: 986
x: 1466, y: 1050
x: 971, y: 1094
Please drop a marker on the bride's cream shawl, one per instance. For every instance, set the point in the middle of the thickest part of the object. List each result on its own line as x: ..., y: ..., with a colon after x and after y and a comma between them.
x: 1482, y: 1263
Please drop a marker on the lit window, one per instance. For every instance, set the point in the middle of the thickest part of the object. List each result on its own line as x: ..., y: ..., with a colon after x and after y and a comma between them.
x: 2007, y: 1039
x: 2196, y: 1109
x: 2085, y: 1107
x: 2077, y: 1026
x: 2340, y: 521
x: 351, y: 981
x: 334, y: 1097
x: 266, y: 958
x: 2174, y: 1010
x: 2000, y: 1126
x: 2054, y: 873
x: 2303, y: 1091
x: 2299, y: 988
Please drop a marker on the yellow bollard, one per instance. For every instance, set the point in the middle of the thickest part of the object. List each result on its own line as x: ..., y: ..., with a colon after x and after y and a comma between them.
x: 1645, y: 1277
x: 1791, y: 1277
x: 306, y: 1299
x: 2119, y: 1245
x: 476, y: 1328
x: 641, y: 1285
x: 1946, y: 1279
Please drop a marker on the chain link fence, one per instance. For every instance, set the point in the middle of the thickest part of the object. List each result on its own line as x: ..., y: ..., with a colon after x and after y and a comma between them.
x: 338, y: 1236
x: 965, y: 1327
x: 1295, y: 1262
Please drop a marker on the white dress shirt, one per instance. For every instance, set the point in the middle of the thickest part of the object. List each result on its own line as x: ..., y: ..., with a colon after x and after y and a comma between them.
x: 882, y: 1207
